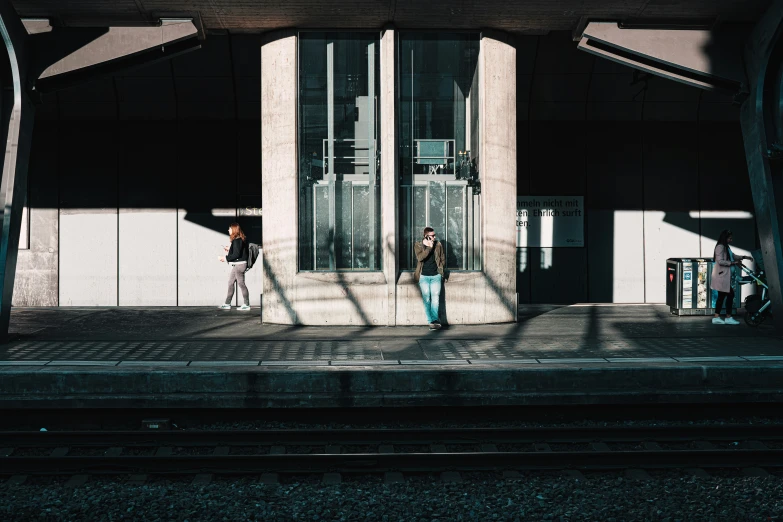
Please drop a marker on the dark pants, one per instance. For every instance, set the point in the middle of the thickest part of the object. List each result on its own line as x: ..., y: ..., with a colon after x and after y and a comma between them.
x: 729, y: 302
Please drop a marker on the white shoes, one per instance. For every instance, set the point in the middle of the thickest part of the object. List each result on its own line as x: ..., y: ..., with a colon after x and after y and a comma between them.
x: 728, y: 320
x: 243, y: 308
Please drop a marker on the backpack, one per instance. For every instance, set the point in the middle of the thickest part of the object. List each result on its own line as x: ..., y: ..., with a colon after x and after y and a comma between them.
x: 253, y: 251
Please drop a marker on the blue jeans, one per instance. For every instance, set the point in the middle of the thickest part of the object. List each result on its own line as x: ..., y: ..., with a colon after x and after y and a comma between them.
x: 430, y: 294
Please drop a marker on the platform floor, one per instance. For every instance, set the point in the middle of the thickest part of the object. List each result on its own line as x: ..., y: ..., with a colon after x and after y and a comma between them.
x: 554, y: 355
x: 543, y: 334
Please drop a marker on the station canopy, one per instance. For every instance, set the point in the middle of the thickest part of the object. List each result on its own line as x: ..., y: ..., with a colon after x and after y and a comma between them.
x: 518, y: 16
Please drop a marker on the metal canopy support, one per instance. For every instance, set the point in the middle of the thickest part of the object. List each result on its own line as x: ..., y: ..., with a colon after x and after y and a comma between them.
x: 762, y: 130
x: 16, y: 117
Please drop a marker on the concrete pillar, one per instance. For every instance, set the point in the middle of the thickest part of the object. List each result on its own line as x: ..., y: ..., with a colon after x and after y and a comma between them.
x: 17, y: 128
x: 390, y: 185
x: 498, y: 172
x: 763, y: 134
x: 278, y: 175
x: 36, y: 281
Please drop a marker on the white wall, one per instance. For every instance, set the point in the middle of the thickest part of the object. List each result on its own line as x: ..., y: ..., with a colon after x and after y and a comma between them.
x: 628, y: 263
x: 664, y: 239
x: 148, y: 257
x: 88, y: 257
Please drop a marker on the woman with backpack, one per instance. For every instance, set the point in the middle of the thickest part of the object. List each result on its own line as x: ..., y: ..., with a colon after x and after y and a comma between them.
x: 236, y: 257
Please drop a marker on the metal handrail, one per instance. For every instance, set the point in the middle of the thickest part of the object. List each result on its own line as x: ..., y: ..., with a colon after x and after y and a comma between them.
x: 357, y: 160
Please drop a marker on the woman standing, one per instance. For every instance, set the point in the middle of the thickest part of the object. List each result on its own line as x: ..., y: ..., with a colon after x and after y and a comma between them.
x: 236, y: 257
x: 722, y: 277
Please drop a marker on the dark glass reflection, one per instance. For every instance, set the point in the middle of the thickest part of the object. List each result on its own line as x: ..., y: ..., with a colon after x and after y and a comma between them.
x: 439, y: 138
x: 339, y: 153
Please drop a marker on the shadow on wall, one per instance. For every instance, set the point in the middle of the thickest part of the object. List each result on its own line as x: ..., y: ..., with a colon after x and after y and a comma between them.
x: 660, y: 164
x: 277, y: 294
x: 170, y: 147
x: 155, y: 199
x: 178, y: 134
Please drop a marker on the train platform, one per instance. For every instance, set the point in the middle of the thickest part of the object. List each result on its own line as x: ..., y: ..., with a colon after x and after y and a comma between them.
x: 208, y: 358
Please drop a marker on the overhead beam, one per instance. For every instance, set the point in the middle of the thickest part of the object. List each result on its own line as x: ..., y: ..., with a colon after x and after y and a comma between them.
x: 709, y: 59
x: 95, y: 52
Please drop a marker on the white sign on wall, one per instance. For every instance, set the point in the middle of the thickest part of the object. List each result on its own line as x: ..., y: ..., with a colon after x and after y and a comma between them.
x: 550, y: 221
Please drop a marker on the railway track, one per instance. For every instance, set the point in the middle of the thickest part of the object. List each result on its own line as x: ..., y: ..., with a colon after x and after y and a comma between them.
x: 366, y: 451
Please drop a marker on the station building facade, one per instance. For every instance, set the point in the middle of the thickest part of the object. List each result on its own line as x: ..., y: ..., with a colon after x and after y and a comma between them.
x: 334, y: 149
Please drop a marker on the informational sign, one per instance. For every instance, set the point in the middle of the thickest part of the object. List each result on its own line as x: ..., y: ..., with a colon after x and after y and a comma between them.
x: 550, y: 221
x: 250, y: 211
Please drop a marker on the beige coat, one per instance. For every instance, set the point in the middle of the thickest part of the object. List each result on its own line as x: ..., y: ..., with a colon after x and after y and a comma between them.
x: 721, y: 270
x: 421, y: 254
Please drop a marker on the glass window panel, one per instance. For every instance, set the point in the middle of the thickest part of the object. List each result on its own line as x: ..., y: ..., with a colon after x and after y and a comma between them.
x: 419, y: 210
x: 306, y: 230
x: 455, y: 202
x: 406, y: 211
x: 343, y: 226
x: 323, y: 234
x: 361, y: 232
x: 338, y: 142
x: 438, y: 207
x: 438, y: 149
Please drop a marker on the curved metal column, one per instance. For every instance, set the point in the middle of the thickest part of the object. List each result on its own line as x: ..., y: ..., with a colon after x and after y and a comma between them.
x: 762, y: 129
x: 17, y: 127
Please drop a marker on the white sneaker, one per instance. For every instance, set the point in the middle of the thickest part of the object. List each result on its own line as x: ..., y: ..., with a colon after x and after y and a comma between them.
x: 244, y: 308
x: 718, y: 320
x: 730, y: 320
x: 224, y: 307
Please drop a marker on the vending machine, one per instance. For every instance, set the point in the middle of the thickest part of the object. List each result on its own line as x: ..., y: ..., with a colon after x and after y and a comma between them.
x: 688, y: 290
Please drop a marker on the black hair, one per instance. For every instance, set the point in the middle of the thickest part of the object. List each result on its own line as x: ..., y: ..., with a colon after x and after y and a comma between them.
x: 427, y: 230
x: 723, y: 239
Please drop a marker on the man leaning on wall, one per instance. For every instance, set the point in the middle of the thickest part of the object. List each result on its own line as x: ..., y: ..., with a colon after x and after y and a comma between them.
x: 430, y: 274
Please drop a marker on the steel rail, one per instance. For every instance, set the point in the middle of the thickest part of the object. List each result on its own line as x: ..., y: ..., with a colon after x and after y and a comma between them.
x: 404, y: 462
x: 390, y: 436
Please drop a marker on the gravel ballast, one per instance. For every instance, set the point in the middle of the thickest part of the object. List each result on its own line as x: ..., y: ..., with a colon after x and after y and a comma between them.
x: 480, y: 497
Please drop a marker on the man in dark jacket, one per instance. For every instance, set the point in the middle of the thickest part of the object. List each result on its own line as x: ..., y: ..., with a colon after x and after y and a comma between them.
x: 430, y: 274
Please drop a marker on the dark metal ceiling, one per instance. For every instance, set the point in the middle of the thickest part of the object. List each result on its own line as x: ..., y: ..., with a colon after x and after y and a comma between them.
x: 511, y: 15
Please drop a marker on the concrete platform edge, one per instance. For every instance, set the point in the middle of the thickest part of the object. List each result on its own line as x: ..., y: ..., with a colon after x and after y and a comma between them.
x: 324, y: 387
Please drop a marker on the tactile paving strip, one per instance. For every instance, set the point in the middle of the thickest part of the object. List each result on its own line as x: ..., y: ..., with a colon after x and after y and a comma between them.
x: 589, y: 348
x: 217, y: 350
